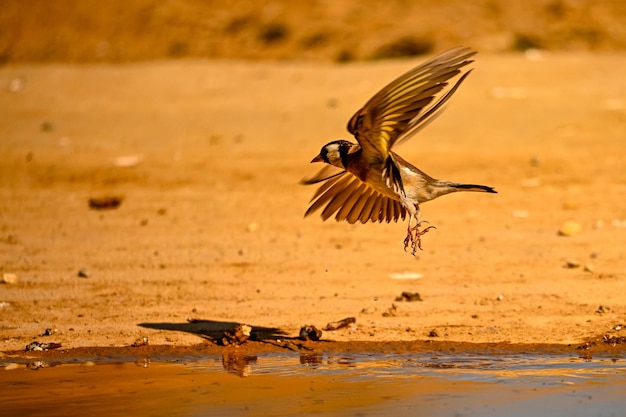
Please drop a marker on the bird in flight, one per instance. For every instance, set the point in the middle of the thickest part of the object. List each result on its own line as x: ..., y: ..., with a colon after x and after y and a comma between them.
x: 367, y: 180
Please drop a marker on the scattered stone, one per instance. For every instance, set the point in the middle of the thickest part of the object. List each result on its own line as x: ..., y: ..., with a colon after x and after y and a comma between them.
x: 520, y: 214
x: 500, y: 297
x: 588, y: 267
x: 336, y: 325
x: 586, y: 346
x: 105, y: 203
x: 571, y: 264
x: 237, y: 335
x: 618, y: 327
x: 368, y: 310
x: 4, y: 304
x: 8, y: 278
x: 310, y: 332
x: 570, y: 228
x: 433, y: 333
x: 409, y: 296
x: 613, y: 340
x: 83, y: 273
x: 42, y: 346
x: 49, y: 331
x: 142, y: 341
x: 391, y: 311
x: 602, y: 310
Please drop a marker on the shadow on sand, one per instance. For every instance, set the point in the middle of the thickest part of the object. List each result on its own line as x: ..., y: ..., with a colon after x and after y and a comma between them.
x: 214, y: 330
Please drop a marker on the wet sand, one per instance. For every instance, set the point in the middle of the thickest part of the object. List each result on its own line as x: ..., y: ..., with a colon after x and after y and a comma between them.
x: 206, y: 159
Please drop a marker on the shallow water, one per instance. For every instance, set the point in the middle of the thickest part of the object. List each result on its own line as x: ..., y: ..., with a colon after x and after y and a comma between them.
x: 321, y: 384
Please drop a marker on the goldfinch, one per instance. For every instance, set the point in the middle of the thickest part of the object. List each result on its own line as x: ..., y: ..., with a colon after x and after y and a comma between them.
x: 367, y: 181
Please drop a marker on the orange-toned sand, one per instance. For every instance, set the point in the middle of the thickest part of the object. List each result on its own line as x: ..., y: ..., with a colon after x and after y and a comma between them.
x: 210, y: 226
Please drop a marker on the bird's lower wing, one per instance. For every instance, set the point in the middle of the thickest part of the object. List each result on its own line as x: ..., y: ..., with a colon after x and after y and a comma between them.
x: 350, y: 199
x: 327, y: 172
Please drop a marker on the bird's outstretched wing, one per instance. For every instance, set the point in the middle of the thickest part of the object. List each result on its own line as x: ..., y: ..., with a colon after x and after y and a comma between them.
x: 407, y: 104
x: 353, y: 200
x: 327, y: 172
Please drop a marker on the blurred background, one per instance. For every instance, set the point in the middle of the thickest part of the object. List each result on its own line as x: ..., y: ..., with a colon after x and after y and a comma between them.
x: 311, y: 30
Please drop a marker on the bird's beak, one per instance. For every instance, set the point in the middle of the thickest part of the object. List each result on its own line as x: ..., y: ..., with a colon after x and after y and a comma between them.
x: 318, y: 158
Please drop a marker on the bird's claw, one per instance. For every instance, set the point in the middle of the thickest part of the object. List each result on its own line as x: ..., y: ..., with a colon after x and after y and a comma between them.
x: 413, y: 237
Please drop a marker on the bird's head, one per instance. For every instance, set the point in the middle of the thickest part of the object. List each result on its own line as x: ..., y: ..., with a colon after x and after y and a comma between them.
x: 336, y: 152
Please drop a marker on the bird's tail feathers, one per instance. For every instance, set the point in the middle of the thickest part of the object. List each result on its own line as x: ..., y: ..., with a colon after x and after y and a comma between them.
x: 473, y: 187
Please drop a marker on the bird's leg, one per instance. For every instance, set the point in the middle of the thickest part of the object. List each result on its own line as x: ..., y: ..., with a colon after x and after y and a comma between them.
x: 417, y: 243
x: 409, y: 234
x: 413, y: 233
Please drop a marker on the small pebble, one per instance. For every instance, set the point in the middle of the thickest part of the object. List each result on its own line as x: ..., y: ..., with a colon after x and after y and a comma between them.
x: 572, y: 264
x: 588, y: 267
x: 409, y: 296
x: 83, y: 273
x: 237, y: 335
x: 105, y: 203
x: 253, y: 227
x: 8, y: 278
x: 570, y: 228
x: 310, y: 332
x: 391, y: 312
x: 49, y: 331
x: 142, y: 341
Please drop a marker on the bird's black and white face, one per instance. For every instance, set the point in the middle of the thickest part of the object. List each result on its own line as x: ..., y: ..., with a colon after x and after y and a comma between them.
x: 335, y: 153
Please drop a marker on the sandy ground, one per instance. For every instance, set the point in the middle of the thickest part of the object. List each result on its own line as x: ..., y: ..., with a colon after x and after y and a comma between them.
x: 211, y: 223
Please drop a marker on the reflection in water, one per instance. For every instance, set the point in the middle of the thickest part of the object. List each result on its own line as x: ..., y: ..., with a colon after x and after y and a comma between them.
x: 320, y: 384
x: 311, y: 359
x: 237, y: 363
